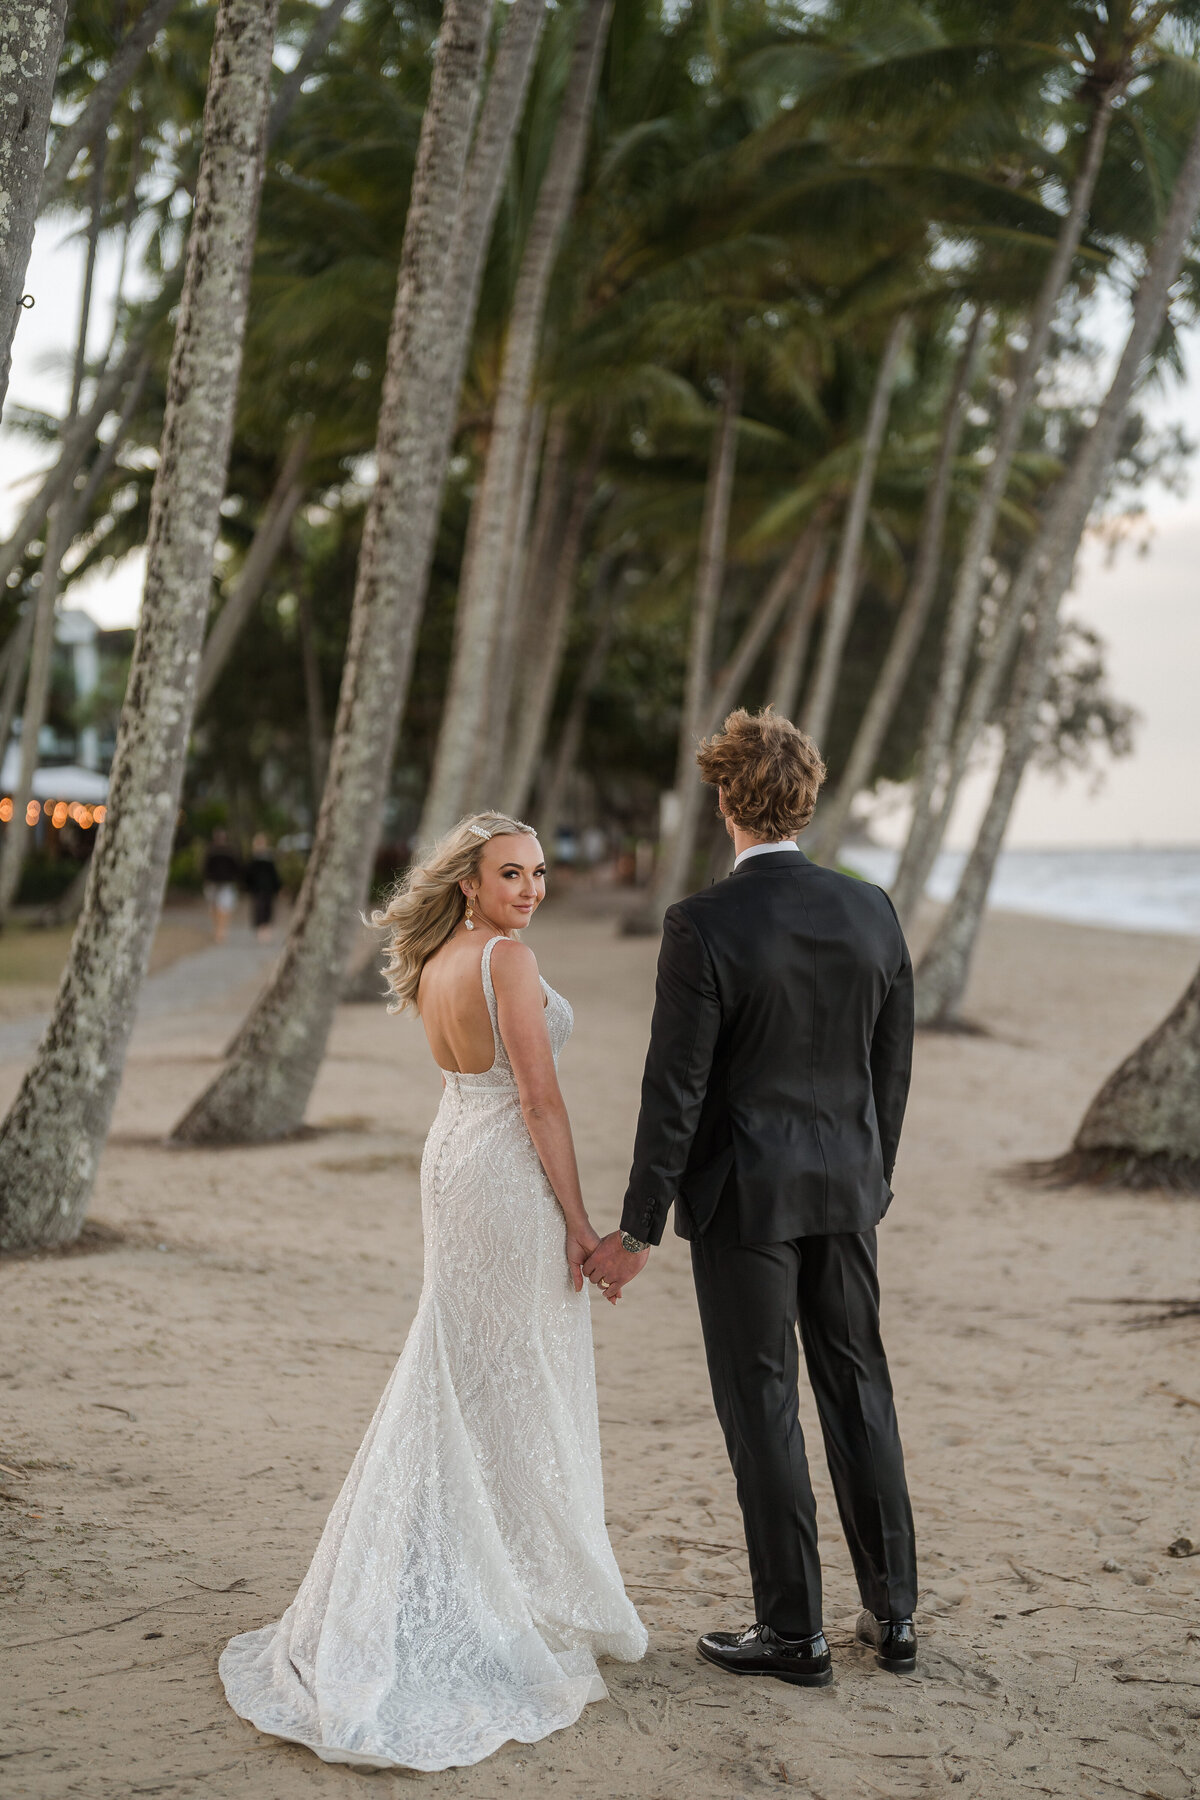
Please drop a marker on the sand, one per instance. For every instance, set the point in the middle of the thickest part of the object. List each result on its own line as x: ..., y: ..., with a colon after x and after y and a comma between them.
x: 179, y: 1410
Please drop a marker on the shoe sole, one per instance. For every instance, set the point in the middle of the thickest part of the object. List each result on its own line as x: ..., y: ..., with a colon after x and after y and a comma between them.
x: 895, y: 1665
x: 823, y: 1680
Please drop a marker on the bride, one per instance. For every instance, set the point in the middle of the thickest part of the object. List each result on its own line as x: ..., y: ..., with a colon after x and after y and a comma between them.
x: 464, y: 1583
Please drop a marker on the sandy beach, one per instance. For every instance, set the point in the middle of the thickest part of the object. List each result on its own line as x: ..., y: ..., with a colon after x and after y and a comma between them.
x: 180, y: 1405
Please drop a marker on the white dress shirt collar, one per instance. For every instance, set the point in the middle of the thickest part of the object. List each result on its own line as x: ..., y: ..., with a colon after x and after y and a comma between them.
x: 766, y: 850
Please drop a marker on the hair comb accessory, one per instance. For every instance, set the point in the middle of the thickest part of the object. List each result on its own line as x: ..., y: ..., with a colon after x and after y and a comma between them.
x: 480, y: 830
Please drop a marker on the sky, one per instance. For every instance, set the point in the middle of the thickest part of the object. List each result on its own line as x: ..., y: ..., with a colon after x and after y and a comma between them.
x: 1145, y: 607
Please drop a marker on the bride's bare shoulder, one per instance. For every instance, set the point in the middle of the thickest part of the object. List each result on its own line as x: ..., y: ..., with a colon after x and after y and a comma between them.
x: 513, y: 964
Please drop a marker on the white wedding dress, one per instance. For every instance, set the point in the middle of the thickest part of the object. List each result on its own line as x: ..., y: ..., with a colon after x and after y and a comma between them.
x: 464, y: 1583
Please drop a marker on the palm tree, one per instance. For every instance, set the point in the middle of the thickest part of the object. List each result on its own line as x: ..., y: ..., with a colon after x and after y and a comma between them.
x: 848, y: 569
x: 1143, y: 1127
x: 672, y: 877
x: 784, y: 689
x: 942, y: 975
x: 823, y: 839
x: 496, y: 532
x: 87, y: 129
x: 1116, y: 45
x: 51, y: 1138
x: 31, y: 36
x: 262, y: 1090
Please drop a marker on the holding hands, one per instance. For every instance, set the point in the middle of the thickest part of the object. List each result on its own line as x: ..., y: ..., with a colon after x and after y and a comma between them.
x: 610, y: 1264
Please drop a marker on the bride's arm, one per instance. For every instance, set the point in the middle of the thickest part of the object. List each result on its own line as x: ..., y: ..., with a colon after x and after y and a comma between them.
x: 521, y: 1015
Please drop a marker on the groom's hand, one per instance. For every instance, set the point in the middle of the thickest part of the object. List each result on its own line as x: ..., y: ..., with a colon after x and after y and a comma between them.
x: 611, y: 1265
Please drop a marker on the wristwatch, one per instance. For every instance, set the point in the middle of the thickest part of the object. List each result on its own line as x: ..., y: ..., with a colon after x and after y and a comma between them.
x: 634, y: 1245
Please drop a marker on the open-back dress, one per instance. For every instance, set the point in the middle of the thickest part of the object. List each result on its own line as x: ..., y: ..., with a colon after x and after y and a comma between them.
x: 464, y: 1584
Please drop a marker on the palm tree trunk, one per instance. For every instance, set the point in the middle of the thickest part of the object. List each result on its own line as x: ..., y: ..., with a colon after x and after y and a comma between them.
x: 74, y: 445
x: 95, y: 210
x: 566, y: 752
x: 315, y: 45
x: 943, y: 972
x: 540, y: 564
x: 262, y: 1090
x: 544, y: 641
x: 268, y: 540
x: 730, y: 682
x: 51, y: 1139
x: 961, y: 620
x: 33, y: 710
x: 491, y: 745
x: 482, y: 595
x: 31, y: 36
x: 676, y: 858
x: 89, y: 127
x: 840, y: 611
x: 1143, y: 1127
x: 795, y: 636
x: 314, y: 705
x: 824, y: 837
x: 16, y: 653
x: 994, y: 665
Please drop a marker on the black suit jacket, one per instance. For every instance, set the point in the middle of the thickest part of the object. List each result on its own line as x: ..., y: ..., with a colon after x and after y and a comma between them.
x: 779, y: 1059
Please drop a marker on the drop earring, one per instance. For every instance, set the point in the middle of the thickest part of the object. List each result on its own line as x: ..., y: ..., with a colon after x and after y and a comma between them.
x: 470, y: 907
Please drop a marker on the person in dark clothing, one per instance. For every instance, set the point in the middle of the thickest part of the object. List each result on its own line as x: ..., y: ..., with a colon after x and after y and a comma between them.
x: 222, y: 873
x: 773, y: 1096
x: 262, y: 884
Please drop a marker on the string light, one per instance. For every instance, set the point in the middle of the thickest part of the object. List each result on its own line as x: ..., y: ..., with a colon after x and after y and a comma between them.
x: 56, y: 811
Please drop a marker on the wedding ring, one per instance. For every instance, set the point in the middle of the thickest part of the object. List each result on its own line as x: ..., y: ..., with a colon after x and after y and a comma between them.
x: 604, y: 1283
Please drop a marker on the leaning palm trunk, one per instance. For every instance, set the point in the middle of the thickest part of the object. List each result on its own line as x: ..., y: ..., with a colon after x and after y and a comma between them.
x: 491, y: 739
x: 33, y: 710
x: 566, y: 752
x: 31, y: 35
x: 16, y: 662
x: 824, y: 837
x: 1143, y: 1127
x: 730, y: 682
x: 544, y: 642
x: 485, y: 585
x: 796, y: 633
x: 268, y: 540
x: 91, y: 124
x: 677, y: 852
x: 921, y: 849
x: 77, y: 439
x: 840, y: 611
x: 315, y: 45
x: 51, y: 1139
x: 262, y: 1091
x: 942, y: 976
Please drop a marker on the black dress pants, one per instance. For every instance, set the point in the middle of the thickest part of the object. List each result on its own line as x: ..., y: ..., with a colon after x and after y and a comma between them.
x: 752, y: 1298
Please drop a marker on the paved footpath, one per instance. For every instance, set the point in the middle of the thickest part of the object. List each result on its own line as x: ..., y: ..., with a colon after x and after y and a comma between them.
x: 195, y: 983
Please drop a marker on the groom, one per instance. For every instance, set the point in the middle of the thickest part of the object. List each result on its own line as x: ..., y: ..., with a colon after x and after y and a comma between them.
x: 772, y: 1100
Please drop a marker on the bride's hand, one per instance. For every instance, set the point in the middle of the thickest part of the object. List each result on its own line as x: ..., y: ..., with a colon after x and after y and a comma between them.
x: 581, y: 1241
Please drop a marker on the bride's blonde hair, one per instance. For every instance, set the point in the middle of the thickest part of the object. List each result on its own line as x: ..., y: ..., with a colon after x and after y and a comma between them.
x: 427, y: 902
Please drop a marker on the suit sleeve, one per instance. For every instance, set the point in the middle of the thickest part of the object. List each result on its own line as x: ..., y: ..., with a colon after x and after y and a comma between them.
x: 891, y: 1054
x: 683, y: 1036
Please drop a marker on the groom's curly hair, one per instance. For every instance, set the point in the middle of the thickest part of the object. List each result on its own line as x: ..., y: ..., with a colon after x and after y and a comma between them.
x: 769, y: 771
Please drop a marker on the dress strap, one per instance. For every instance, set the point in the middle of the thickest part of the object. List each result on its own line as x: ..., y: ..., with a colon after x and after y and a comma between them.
x: 489, y: 991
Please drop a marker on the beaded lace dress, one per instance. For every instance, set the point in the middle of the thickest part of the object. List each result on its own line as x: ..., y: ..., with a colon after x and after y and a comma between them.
x: 464, y: 1584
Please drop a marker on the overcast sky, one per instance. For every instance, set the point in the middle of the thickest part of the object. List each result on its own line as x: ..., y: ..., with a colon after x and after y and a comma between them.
x: 1147, y: 608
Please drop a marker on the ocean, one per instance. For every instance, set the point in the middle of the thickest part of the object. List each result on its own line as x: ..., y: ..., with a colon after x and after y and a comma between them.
x: 1133, y: 890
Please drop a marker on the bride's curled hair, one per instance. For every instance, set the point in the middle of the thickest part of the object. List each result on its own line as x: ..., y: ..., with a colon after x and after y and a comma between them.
x: 427, y: 902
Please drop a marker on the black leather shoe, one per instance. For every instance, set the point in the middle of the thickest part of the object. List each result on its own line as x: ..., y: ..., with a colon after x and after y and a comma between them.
x: 894, y: 1642
x: 760, y: 1651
